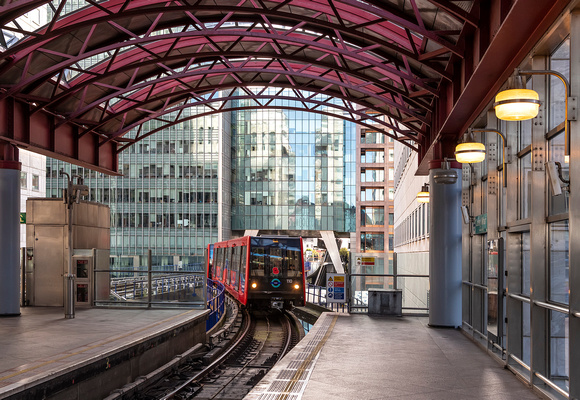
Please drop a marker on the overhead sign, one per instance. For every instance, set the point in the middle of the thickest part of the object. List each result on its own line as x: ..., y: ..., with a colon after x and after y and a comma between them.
x: 335, y: 288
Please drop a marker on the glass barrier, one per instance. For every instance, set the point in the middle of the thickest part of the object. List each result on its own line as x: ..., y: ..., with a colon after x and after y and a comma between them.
x: 168, y: 286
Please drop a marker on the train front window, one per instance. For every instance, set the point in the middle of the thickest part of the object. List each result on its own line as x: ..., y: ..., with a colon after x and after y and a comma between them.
x: 276, y: 261
x: 294, y: 268
x: 258, y: 261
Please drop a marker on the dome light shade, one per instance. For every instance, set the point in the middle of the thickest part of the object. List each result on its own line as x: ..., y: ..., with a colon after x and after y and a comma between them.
x: 470, y: 152
x: 423, y: 195
x: 517, y: 104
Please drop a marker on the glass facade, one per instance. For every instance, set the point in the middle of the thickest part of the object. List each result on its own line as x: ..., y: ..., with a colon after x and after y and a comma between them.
x: 167, y: 197
x: 290, y: 170
x: 533, y: 221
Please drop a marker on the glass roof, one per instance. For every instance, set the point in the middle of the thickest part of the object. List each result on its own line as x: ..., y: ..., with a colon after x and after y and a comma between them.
x: 110, y: 66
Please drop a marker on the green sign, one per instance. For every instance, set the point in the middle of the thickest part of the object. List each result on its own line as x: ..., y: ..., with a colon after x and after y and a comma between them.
x: 480, y: 224
x: 23, y: 218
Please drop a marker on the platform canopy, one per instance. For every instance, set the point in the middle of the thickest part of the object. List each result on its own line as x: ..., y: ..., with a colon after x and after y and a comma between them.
x: 81, y: 85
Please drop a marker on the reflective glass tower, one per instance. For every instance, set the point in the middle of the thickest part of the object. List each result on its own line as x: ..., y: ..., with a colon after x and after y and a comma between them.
x: 292, y: 170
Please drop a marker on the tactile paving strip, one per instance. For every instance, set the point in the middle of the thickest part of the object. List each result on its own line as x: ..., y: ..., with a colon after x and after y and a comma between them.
x: 291, y: 381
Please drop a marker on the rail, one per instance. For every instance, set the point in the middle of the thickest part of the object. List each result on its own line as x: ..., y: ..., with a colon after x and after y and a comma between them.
x: 551, y: 384
x: 317, y: 295
x: 357, y: 292
x: 167, y: 286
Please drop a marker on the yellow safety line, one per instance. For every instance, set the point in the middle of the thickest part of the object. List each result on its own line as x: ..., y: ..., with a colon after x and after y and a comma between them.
x: 290, y: 385
x: 92, y: 347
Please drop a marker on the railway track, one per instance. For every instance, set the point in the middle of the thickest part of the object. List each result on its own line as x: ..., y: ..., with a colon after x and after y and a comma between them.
x: 263, y: 339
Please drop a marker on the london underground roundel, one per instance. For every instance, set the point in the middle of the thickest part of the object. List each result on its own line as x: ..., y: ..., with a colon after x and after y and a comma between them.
x: 275, y: 283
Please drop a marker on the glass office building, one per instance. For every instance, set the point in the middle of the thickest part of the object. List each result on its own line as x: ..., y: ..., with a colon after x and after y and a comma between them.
x: 292, y: 171
x: 170, y: 197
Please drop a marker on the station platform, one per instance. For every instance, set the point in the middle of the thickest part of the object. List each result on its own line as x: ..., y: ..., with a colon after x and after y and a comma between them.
x: 358, y: 356
x: 44, y: 355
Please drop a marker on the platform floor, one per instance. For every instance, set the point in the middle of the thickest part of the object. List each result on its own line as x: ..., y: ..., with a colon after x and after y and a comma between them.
x: 41, y: 342
x: 362, y: 357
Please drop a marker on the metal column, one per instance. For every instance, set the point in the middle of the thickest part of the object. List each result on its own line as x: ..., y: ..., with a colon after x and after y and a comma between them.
x: 9, y: 230
x: 445, y: 249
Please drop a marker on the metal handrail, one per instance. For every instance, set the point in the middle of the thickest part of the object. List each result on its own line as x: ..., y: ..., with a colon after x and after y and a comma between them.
x: 475, y: 285
x: 393, y: 275
x: 548, y: 382
x: 523, y: 364
x: 552, y: 307
x: 520, y: 298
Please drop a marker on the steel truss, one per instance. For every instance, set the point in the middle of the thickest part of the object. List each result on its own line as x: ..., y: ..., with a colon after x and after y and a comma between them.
x: 113, y: 65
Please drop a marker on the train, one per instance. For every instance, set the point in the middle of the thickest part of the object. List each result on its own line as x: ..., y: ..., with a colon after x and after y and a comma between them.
x: 260, y: 272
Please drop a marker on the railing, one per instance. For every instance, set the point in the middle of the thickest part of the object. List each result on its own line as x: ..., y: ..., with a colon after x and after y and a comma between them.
x: 168, y: 286
x: 215, y: 302
x: 414, y: 290
x: 415, y: 294
x: 518, y: 366
x: 317, y: 295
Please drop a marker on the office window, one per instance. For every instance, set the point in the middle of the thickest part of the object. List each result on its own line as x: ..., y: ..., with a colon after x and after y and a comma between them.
x: 23, y: 176
x: 372, y: 216
x: 372, y: 156
x: 35, y: 182
x: 372, y: 242
x: 372, y: 175
x: 372, y: 194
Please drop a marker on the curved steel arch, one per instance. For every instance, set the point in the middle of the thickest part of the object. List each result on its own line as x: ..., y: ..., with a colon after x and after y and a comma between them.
x: 364, y: 118
x: 249, y: 108
x: 128, y: 66
x: 412, y: 113
x: 45, y: 75
x: 386, y: 57
x: 200, y: 90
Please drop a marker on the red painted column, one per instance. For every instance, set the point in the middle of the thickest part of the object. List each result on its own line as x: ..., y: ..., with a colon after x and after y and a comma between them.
x: 9, y: 230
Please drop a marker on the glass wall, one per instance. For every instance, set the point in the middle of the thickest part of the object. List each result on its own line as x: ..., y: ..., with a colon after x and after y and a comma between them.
x: 290, y: 169
x: 167, y: 197
x: 535, y: 227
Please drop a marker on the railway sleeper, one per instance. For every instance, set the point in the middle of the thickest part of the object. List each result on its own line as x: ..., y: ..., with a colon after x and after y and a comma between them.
x: 253, y: 381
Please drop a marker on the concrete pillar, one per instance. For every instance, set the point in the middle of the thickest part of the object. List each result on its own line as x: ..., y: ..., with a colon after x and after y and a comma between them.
x: 9, y: 230
x: 444, y: 247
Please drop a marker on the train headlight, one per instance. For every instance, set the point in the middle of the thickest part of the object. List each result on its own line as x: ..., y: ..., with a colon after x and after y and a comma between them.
x: 254, y: 285
x: 296, y: 286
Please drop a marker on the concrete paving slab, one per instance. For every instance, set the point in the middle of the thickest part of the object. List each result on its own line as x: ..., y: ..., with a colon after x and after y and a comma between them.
x: 371, y: 357
x: 41, y: 343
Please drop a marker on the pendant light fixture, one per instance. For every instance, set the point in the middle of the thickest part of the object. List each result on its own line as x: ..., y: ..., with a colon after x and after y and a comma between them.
x: 423, y: 195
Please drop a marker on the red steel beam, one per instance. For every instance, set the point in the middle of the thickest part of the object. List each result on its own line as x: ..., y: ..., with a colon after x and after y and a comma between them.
x: 37, y: 133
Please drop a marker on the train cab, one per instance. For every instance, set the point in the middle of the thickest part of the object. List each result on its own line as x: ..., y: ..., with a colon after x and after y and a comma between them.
x: 261, y: 272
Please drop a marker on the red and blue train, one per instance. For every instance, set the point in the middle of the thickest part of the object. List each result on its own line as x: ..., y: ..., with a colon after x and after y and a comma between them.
x: 260, y: 271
